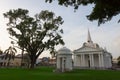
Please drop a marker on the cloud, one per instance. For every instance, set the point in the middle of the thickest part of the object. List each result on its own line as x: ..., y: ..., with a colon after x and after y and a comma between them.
x: 73, y: 36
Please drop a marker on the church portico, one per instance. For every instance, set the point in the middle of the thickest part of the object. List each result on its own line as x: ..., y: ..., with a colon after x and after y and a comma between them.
x: 89, y: 60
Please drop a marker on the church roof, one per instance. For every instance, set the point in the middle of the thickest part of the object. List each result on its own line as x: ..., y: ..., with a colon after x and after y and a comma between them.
x: 89, y: 37
x: 88, y: 49
x: 89, y: 42
x: 89, y: 45
x: 64, y: 50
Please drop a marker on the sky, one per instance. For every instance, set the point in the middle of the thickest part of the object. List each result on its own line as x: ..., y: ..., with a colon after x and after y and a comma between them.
x: 75, y: 25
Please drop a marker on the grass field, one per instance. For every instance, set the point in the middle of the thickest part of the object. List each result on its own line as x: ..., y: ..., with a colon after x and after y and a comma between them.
x: 45, y: 73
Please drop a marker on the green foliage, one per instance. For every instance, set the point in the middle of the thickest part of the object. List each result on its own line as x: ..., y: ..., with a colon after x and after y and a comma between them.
x: 103, y: 10
x: 35, y: 34
x: 74, y: 3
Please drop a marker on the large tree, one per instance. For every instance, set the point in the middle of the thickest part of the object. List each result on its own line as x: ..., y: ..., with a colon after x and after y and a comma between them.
x: 35, y: 34
x: 103, y: 10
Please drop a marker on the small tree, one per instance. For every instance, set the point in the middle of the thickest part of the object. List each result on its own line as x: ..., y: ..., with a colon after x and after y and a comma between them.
x: 10, y: 54
x: 1, y: 52
x: 35, y: 34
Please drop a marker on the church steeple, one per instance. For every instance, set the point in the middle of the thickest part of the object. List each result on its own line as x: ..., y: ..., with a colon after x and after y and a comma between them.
x: 89, y: 37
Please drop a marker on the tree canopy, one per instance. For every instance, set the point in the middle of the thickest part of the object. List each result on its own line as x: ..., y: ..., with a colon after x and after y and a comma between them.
x: 35, y: 34
x: 103, y: 10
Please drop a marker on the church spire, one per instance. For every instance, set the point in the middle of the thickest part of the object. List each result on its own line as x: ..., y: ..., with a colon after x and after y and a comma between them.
x: 89, y: 37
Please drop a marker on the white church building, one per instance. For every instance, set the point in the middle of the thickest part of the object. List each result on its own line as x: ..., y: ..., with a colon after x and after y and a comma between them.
x: 64, y: 60
x: 91, y: 55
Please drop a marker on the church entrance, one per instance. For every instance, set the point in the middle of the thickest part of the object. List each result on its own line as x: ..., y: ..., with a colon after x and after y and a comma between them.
x: 60, y: 63
x: 64, y: 65
x: 89, y: 63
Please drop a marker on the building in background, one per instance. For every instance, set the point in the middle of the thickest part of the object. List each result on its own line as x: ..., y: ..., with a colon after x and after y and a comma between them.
x: 2, y: 59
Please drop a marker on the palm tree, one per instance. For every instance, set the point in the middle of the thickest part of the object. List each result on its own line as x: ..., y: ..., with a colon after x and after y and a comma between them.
x: 1, y: 52
x: 10, y: 54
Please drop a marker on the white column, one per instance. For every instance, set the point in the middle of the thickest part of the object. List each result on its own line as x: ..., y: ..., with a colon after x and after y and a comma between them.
x: 102, y: 61
x: 75, y: 60
x: 62, y: 64
x: 92, y: 60
x: 78, y: 60
x: 99, y: 55
x: 58, y: 62
x: 83, y: 60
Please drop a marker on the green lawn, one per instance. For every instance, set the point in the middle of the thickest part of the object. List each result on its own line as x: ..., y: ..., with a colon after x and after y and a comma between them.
x: 45, y: 73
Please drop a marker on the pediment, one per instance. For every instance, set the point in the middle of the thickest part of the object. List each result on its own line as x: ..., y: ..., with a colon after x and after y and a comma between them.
x: 87, y: 49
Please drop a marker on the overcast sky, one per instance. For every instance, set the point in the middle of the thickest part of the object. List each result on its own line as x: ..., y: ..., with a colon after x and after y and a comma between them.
x: 75, y: 25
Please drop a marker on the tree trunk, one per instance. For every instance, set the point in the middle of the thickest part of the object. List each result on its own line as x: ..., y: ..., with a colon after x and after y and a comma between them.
x: 33, y: 61
x: 22, y: 57
x: 8, y: 63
